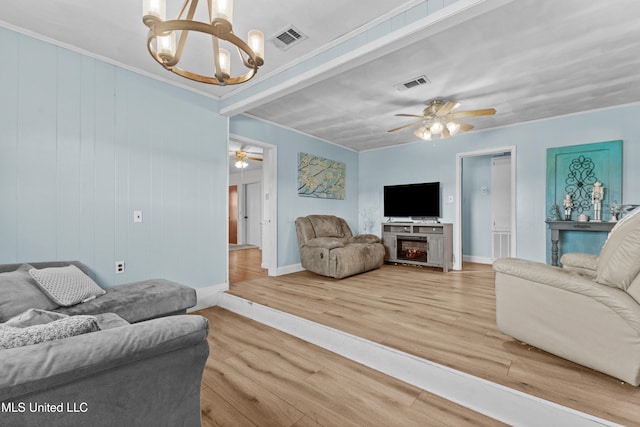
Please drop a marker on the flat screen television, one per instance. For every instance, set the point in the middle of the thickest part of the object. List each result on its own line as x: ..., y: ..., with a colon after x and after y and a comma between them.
x: 418, y: 201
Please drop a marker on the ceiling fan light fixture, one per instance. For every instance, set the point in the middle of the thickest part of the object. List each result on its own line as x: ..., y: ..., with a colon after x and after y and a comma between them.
x: 166, y: 40
x: 436, y: 128
x: 241, y: 164
x: 453, y: 128
x: 423, y: 133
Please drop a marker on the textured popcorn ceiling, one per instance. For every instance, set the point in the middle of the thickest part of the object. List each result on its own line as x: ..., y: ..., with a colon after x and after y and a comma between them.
x: 529, y: 59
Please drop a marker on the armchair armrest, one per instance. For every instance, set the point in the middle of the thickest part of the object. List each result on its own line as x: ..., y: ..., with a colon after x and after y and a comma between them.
x: 580, y: 263
x: 325, y: 242
x: 614, y: 298
x: 364, y: 238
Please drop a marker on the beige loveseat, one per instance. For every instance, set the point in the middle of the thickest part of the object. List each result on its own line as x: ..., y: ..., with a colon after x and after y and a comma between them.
x: 328, y: 247
x: 588, y: 311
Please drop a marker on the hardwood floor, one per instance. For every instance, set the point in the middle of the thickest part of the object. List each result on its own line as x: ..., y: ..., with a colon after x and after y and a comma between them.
x: 448, y: 318
x: 244, y: 264
x: 258, y: 376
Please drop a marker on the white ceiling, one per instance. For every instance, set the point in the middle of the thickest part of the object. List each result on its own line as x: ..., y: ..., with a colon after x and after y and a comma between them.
x: 529, y: 59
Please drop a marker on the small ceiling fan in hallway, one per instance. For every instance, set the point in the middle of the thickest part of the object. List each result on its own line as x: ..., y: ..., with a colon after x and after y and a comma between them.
x: 439, y: 118
x: 242, y: 156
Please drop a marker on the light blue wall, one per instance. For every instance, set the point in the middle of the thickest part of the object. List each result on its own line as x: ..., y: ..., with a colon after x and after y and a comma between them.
x: 422, y: 162
x: 290, y: 205
x: 476, y: 207
x: 83, y: 144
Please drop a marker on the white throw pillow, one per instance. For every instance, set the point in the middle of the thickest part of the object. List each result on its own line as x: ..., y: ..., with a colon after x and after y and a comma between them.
x: 66, y: 285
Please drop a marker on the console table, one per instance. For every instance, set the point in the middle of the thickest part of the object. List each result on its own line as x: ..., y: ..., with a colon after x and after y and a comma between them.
x: 557, y: 226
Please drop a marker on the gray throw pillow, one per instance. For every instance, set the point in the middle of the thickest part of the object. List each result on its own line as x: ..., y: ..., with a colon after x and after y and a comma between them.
x: 11, y: 337
x: 66, y: 285
x: 19, y: 292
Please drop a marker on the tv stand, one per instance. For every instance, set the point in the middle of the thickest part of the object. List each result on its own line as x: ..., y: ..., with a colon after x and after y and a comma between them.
x: 427, y: 244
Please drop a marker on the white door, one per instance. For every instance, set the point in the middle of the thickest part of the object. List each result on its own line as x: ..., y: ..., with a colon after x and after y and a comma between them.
x: 253, y: 214
x: 501, y: 206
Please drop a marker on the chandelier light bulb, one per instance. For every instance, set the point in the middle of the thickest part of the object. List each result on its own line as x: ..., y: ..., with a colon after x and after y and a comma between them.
x: 225, y: 63
x: 241, y: 164
x: 166, y: 46
x: 256, y: 43
x: 155, y: 8
x: 223, y: 9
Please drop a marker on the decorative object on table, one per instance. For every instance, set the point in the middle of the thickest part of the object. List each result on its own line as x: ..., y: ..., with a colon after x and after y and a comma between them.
x: 616, y: 210
x: 321, y: 178
x: 554, y: 213
x: 583, y: 218
x: 597, y: 195
x: 568, y: 207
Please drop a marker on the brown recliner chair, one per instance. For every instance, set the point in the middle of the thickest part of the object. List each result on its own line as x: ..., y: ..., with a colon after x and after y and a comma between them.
x: 588, y: 311
x: 328, y: 247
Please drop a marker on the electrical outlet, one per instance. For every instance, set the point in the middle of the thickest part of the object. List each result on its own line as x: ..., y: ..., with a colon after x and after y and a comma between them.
x: 137, y: 216
x: 119, y: 267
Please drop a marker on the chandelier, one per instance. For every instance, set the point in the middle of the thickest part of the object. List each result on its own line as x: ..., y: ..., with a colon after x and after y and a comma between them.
x: 167, y: 38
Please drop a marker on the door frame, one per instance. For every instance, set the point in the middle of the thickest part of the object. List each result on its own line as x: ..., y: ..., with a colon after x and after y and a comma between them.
x: 457, y: 225
x: 269, y: 201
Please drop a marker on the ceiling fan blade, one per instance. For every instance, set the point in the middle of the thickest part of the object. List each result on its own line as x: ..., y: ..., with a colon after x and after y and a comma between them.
x: 473, y: 113
x: 465, y: 127
x: 257, y: 159
x: 446, y: 108
x: 406, y: 126
x: 409, y: 115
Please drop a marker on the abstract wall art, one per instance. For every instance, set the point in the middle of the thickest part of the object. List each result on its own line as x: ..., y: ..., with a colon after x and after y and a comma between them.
x: 320, y: 178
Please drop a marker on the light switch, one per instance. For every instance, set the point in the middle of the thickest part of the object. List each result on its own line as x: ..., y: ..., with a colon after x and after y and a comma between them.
x: 137, y: 216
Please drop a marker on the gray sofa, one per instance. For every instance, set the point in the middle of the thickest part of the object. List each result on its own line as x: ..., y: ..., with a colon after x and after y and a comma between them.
x: 142, y: 367
x: 328, y: 247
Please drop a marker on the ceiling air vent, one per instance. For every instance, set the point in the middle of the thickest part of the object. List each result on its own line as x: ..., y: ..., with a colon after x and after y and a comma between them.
x: 415, y: 82
x: 288, y: 37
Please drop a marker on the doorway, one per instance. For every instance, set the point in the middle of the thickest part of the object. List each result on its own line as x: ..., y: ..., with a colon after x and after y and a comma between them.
x: 504, y: 233
x: 260, y: 196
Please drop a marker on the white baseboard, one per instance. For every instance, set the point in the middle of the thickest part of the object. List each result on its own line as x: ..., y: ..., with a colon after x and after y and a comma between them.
x: 288, y: 269
x: 494, y: 400
x: 477, y: 259
x: 208, y: 296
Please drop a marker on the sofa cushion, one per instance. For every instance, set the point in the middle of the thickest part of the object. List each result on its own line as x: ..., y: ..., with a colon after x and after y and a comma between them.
x: 326, y: 242
x: 139, y: 301
x: 11, y: 336
x: 326, y: 225
x: 619, y: 261
x: 19, y: 292
x: 66, y: 285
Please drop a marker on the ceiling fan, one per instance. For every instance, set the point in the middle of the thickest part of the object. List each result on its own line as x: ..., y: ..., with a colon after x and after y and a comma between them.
x: 438, y: 118
x: 242, y: 156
